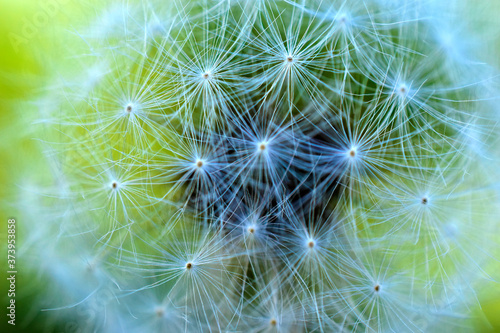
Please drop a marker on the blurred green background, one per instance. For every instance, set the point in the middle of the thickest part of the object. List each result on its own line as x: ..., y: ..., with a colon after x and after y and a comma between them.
x: 25, y: 32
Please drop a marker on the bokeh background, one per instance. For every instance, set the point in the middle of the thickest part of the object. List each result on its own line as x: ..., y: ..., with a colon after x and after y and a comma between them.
x: 27, y: 37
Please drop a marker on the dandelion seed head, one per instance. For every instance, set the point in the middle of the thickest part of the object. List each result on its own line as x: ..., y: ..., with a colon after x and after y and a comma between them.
x: 284, y: 135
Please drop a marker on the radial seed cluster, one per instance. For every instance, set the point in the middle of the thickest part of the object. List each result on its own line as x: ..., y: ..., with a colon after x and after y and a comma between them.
x: 266, y: 166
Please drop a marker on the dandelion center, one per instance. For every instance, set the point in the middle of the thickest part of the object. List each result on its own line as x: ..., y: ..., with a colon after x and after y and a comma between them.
x: 129, y: 108
x: 289, y: 59
x: 199, y: 163
x: 377, y: 288
x: 311, y: 244
x: 424, y: 201
x: 205, y: 75
x: 189, y: 265
x: 114, y: 185
x: 273, y: 322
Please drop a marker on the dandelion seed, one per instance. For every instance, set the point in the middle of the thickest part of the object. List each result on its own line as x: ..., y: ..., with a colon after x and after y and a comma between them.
x: 343, y: 19
x: 160, y: 312
x: 205, y: 75
x: 275, y: 164
x: 156, y: 310
x: 402, y: 90
x: 199, y: 164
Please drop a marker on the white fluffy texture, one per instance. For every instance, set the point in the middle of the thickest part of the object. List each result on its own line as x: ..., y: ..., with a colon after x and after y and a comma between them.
x: 268, y: 166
